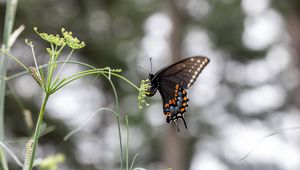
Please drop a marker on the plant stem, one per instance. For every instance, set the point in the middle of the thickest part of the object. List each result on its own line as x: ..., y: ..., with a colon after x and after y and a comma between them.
x: 127, y: 141
x: 37, y: 130
x: 71, y: 133
x: 9, y: 20
x: 33, y: 55
x: 13, y: 57
x: 49, y: 75
x: 8, y: 26
x: 57, y: 75
x: 118, y: 119
x: 132, y: 163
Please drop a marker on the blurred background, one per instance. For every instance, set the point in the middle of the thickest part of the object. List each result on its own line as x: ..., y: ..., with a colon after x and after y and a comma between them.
x: 249, y: 89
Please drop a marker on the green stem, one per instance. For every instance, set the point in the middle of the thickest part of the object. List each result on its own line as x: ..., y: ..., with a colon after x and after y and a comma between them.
x: 50, y: 68
x: 9, y: 20
x: 132, y: 163
x: 87, y: 121
x: 120, y: 139
x: 74, y: 77
x: 8, y: 27
x: 14, y: 58
x: 37, y: 130
x: 79, y: 63
x: 118, y: 119
x: 57, y: 75
x: 59, y: 51
x: 50, y: 73
x: 85, y: 73
x: 127, y: 141
x: 33, y: 53
x: 125, y: 79
x: 2, y: 98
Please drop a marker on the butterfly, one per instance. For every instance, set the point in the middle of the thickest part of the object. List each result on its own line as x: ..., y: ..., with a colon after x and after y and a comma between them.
x: 172, y: 82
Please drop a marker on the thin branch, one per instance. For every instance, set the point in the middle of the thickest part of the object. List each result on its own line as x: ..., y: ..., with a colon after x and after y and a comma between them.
x: 86, y: 121
x: 11, y: 153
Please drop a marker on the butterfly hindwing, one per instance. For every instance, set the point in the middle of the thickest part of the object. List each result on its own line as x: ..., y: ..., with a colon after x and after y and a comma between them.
x: 175, y: 101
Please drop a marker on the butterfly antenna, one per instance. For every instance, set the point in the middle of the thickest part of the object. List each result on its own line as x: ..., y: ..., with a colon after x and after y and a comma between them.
x: 146, y: 71
x: 151, y: 64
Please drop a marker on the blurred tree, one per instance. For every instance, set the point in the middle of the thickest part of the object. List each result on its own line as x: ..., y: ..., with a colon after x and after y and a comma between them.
x: 175, y: 148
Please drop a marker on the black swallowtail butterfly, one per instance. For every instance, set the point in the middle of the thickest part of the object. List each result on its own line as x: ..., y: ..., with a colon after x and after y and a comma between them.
x: 171, y: 82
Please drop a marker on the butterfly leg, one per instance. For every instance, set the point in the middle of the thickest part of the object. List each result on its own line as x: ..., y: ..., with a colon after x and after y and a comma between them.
x: 177, y: 125
x: 184, y: 122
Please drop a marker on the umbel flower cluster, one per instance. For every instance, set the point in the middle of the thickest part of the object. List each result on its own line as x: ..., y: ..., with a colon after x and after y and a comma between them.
x: 57, y: 44
x: 143, y: 92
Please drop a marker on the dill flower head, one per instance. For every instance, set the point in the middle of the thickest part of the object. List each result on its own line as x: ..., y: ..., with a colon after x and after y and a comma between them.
x: 143, y: 92
x: 51, y: 38
x: 71, y: 41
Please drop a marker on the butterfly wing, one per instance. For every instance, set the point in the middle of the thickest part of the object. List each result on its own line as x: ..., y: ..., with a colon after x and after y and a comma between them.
x: 173, y: 80
x: 174, y: 100
x: 184, y: 72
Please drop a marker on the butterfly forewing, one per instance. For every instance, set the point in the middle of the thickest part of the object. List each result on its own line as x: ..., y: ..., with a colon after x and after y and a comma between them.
x: 184, y: 72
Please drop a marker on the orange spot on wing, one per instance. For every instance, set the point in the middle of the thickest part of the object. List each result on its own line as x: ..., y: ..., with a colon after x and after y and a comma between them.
x: 183, y: 104
x: 182, y: 109
x: 173, y: 101
x: 185, y: 98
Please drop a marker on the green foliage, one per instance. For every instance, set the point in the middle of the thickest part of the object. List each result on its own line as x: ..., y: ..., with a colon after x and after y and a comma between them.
x: 51, y: 162
x: 51, y: 84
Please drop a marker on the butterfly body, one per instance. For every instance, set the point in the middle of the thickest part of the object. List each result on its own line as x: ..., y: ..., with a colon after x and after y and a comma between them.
x: 171, y: 82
